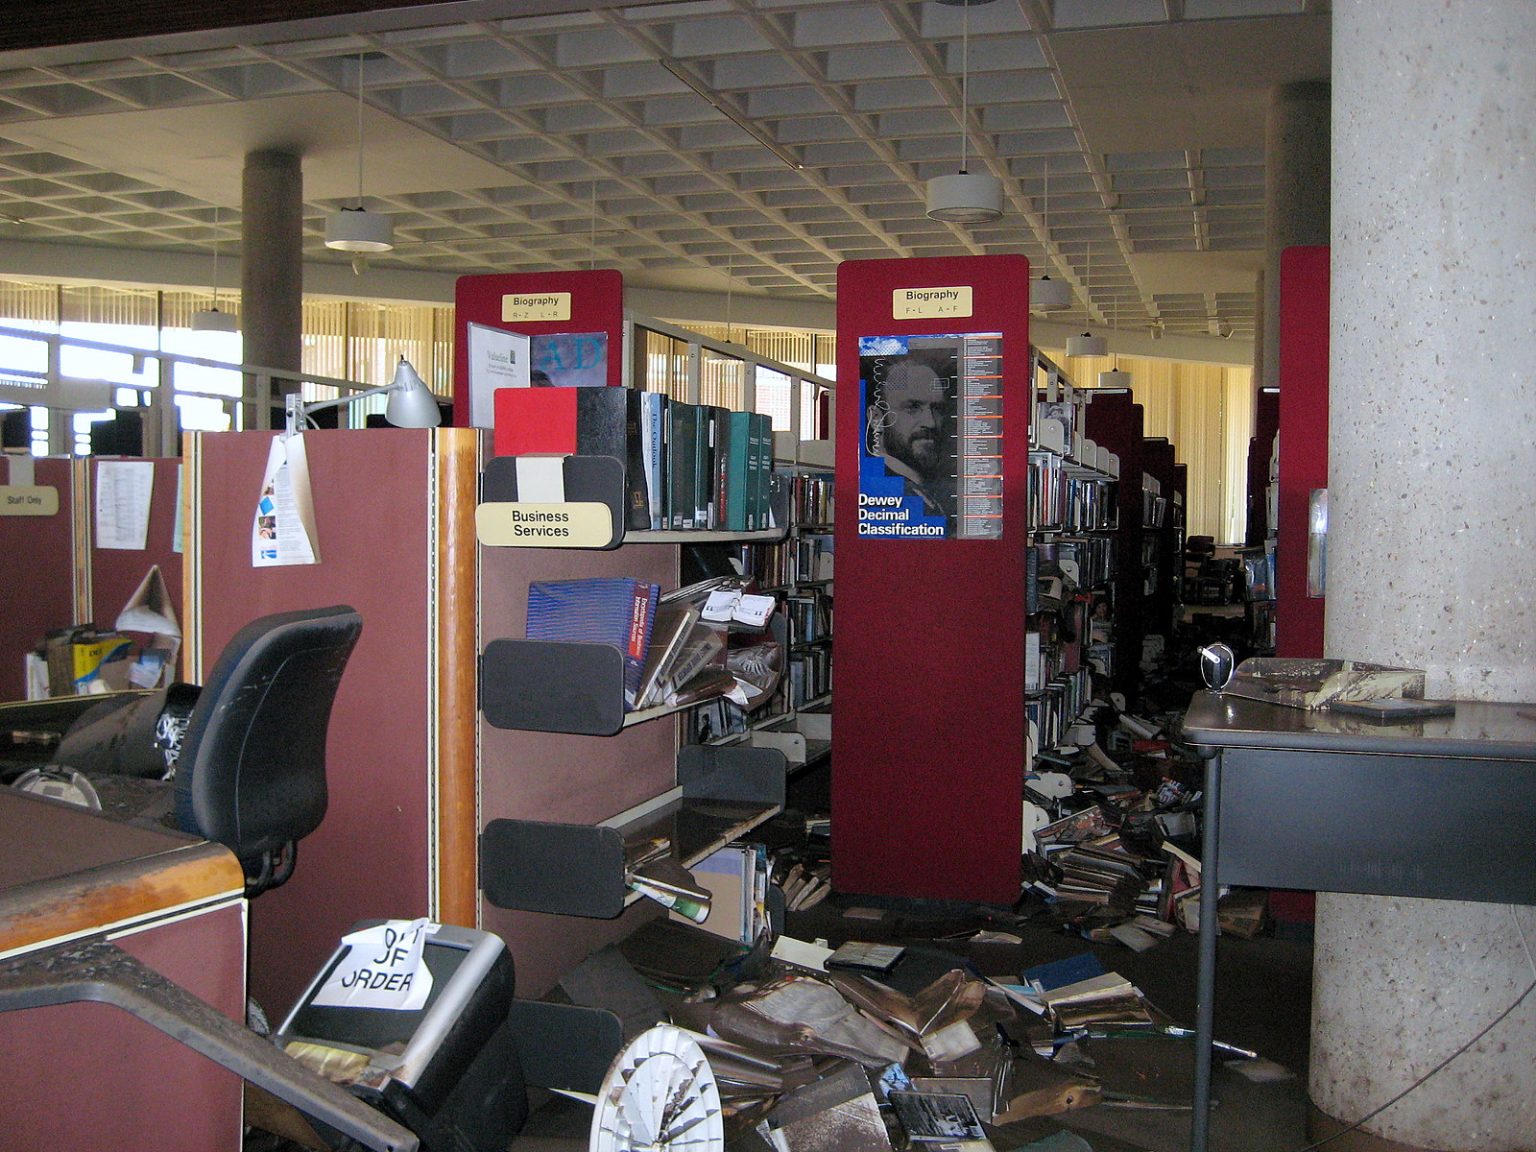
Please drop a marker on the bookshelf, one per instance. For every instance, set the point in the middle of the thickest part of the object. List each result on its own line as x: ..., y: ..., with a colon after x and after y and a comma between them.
x: 568, y: 778
x: 1114, y: 421
x: 927, y: 784
x: 1070, y: 590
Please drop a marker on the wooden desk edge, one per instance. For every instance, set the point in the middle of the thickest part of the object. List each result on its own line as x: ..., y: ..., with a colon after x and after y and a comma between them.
x: 116, y: 895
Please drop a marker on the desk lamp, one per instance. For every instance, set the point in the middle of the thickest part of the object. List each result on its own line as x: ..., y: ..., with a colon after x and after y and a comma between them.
x: 411, y: 403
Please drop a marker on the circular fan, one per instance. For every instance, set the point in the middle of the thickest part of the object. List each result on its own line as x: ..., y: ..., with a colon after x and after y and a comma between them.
x: 659, y: 1094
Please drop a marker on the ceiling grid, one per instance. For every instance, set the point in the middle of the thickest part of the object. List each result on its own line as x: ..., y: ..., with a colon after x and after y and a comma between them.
x: 711, y: 145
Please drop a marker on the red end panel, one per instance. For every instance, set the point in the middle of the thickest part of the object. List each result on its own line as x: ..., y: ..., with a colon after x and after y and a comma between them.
x: 1116, y: 423
x: 927, y: 783
x: 1303, y: 442
x: 597, y: 305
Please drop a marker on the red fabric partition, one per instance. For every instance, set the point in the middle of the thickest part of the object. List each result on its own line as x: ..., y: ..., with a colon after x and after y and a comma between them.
x: 37, y: 570
x: 117, y: 572
x: 597, y: 305
x: 368, y: 859
x: 1303, y: 442
x: 927, y: 780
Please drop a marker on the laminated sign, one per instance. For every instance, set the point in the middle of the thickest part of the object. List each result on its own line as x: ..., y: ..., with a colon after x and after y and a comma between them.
x: 382, y: 968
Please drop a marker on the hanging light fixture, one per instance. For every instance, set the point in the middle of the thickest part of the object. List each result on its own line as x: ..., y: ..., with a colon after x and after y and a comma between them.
x: 211, y: 319
x: 1087, y: 344
x: 1045, y: 294
x: 965, y: 197
x: 357, y: 229
x: 1116, y: 377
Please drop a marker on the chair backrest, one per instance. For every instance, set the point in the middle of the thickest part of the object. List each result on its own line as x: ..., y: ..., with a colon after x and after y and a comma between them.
x: 252, y: 768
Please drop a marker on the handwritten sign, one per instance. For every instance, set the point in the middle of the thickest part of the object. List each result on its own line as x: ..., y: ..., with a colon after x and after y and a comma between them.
x: 381, y: 969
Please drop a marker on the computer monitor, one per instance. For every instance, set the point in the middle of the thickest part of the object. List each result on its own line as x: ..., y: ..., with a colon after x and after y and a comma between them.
x: 427, y: 1048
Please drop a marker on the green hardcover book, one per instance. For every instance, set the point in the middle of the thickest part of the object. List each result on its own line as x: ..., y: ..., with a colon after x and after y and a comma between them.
x: 719, y: 434
x: 761, y: 468
x: 682, y: 464
x: 738, y: 471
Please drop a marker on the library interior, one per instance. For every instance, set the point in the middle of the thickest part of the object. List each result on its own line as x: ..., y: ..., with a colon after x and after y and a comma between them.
x: 435, y: 435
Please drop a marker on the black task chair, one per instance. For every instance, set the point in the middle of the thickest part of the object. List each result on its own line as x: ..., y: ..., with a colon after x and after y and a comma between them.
x: 245, y: 752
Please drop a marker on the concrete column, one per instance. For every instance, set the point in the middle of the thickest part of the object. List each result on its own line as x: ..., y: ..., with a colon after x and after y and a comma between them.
x: 271, y: 261
x: 1296, y: 190
x: 1431, y: 433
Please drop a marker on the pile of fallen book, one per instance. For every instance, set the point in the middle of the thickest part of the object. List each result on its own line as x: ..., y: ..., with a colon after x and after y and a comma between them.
x: 856, y: 1049
x: 1111, y: 847
x: 813, y: 1061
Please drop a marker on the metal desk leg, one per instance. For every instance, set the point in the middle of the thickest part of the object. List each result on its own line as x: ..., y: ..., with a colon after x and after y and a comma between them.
x: 1205, y: 993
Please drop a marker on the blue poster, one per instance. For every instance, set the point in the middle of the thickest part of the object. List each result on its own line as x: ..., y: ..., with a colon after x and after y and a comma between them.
x: 930, y: 455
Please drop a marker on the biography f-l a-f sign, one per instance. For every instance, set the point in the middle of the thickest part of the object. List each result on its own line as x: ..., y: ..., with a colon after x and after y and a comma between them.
x: 930, y: 453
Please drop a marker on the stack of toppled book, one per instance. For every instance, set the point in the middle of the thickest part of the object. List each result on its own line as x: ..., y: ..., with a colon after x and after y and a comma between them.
x: 1100, y: 870
x: 806, y: 885
x: 1106, y: 1000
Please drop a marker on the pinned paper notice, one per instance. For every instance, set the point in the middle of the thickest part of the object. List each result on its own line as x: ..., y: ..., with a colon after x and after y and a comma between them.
x: 382, y: 969
x: 283, y: 529
x: 123, y: 491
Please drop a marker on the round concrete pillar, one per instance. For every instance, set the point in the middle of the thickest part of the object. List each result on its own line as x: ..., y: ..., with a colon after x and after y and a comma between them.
x: 272, y: 262
x: 1296, y: 193
x: 1430, y: 558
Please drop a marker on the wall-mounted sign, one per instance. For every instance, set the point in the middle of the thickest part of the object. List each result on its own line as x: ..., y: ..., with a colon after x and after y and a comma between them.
x: 28, y: 500
x: 931, y: 303
x: 535, y: 307
x: 509, y: 524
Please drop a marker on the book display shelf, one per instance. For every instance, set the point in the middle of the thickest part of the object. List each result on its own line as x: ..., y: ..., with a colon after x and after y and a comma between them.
x: 574, y: 785
x: 1070, y: 594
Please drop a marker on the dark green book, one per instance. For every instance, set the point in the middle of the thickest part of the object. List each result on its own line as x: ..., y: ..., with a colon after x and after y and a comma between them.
x: 682, y: 464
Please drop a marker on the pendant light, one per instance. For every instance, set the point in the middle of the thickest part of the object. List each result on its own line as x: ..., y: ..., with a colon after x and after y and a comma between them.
x: 1087, y: 344
x: 357, y: 229
x: 965, y: 197
x: 211, y: 319
x: 1116, y: 377
x: 1045, y: 294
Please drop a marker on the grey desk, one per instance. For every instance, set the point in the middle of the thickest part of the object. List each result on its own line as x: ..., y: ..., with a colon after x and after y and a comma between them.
x: 1443, y: 809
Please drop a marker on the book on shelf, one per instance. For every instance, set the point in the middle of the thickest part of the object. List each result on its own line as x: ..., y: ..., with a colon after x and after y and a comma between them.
x: 653, y: 454
x: 739, y: 471
x: 616, y: 610
x: 578, y: 421
x: 682, y: 464
x: 736, y: 878
x: 674, y: 622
